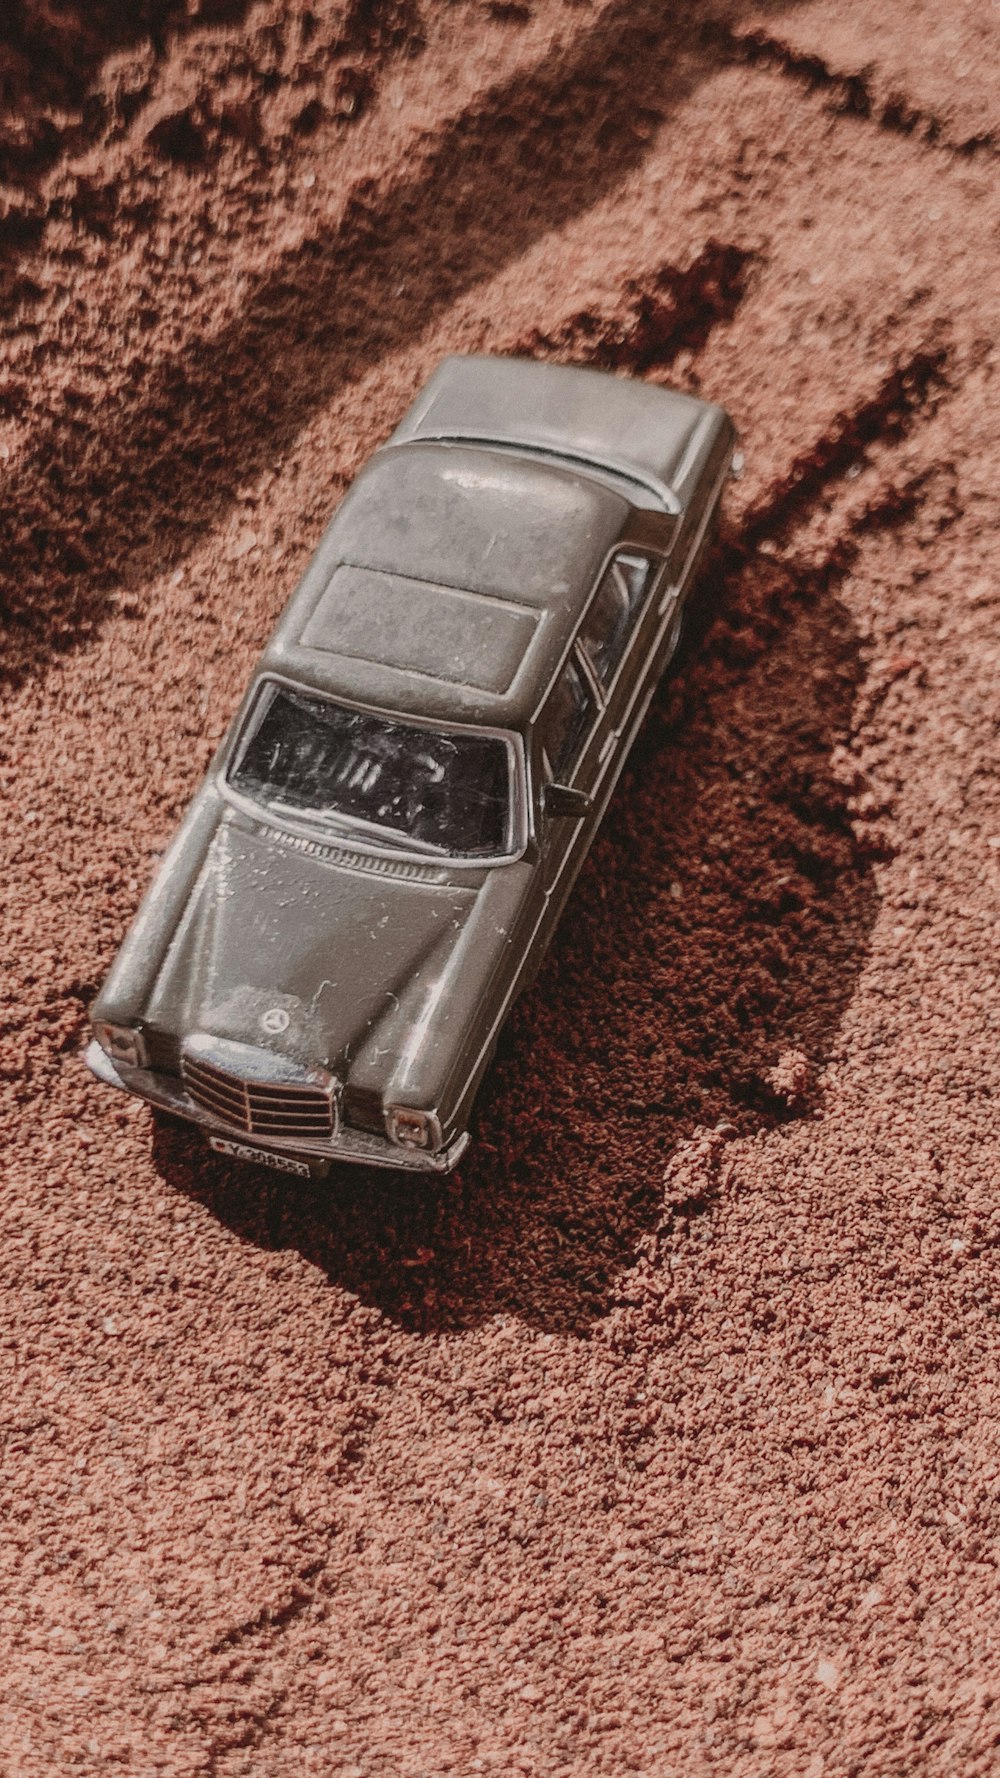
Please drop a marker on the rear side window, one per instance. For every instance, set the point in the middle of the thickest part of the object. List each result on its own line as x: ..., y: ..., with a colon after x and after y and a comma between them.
x: 614, y: 611
x: 566, y: 721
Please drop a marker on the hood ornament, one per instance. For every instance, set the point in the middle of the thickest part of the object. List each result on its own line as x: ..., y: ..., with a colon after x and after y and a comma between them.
x: 275, y: 1020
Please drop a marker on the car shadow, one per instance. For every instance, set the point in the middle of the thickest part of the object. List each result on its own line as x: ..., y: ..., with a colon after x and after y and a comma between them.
x: 705, y: 958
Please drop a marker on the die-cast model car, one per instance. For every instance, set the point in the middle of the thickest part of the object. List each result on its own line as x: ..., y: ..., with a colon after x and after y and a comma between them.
x: 381, y: 848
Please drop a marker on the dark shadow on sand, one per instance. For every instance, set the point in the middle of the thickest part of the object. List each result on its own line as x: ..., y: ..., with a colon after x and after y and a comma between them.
x: 722, y: 919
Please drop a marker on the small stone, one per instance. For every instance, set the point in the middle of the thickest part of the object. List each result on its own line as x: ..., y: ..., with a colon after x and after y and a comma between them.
x: 790, y: 1077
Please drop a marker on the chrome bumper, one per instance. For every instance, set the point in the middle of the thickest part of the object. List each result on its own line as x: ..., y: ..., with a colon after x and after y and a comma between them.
x: 358, y: 1146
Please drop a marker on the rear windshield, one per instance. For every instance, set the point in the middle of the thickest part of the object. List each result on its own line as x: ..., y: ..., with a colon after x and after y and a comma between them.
x: 402, y: 786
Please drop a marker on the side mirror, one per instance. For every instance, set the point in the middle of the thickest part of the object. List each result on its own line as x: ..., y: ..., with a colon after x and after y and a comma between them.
x: 562, y: 799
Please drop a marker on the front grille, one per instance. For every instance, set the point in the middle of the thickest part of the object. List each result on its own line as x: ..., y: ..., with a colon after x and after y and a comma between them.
x: 284, y: 1108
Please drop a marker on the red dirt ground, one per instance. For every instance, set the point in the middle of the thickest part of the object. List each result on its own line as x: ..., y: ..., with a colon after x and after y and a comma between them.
x: 664, y: 1437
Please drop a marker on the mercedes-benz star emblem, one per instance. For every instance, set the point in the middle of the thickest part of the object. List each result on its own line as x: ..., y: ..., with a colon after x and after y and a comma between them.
x: 275, y: 1019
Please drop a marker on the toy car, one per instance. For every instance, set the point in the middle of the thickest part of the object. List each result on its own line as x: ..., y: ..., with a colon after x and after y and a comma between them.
x: 380, y: 851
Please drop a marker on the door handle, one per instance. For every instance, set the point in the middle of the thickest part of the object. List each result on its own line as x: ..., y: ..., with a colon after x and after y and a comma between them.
x: 669, y: 598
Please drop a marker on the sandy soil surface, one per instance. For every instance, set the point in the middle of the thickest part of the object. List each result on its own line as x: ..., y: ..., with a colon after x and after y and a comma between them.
x: 664, y: 1437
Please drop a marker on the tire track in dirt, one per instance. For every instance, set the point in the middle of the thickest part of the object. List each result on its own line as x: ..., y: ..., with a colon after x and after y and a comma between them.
x: 60, y: 565
x: 668, y: 311
x: 909, y: 394
x: 852, y: 95
x: 940, y: 68
x: 175, y: 87
x: 89, y: 306
x: 310, y: 327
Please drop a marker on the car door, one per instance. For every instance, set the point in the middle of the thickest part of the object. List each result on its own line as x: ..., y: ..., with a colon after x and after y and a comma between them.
x: 589, y: 714
x: 569, y: 738
x: 620, y: 642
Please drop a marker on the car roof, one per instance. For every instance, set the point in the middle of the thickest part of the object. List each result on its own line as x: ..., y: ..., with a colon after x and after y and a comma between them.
x: 449, y: 583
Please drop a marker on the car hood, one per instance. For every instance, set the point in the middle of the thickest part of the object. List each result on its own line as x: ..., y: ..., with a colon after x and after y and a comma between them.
x: 304, y: 950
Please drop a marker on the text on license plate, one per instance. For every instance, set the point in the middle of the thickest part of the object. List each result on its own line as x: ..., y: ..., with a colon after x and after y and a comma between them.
x: 243, y: 1151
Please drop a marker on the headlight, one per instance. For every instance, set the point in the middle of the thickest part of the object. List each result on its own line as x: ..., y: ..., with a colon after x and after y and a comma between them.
x: 121, y: 1044
x: 412, y: 1129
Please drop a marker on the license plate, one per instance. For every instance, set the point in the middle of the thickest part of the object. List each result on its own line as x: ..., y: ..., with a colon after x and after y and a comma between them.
x: 265, y: 1157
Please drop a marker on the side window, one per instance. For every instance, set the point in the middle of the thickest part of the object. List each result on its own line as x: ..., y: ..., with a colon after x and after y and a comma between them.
x: 613, y: 612
x: 566, y: 721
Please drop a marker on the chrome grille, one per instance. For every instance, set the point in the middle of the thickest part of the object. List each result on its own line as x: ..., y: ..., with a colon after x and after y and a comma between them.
x: 293, y: 1106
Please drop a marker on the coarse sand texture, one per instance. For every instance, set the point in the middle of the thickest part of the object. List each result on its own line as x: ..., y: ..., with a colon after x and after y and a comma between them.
x: 663, y: 1437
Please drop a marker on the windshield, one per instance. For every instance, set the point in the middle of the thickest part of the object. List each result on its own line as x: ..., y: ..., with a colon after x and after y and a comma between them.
x: 406, y: 787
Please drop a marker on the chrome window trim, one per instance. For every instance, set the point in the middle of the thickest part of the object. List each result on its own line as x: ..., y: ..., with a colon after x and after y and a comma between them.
x: 575, y: 658
x: 658, y: 562
x: 634, y: 614
x: 605, y: 693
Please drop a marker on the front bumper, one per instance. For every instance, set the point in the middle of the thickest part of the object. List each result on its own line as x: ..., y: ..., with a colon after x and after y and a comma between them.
x: 358, y: 1146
